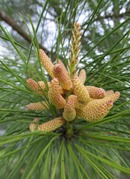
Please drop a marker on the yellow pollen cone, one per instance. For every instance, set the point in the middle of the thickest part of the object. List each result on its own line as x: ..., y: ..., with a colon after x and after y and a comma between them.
x: 62, y: 64
x: 69, y: 113
x: 82, y: 76
x: 72, y: 100
x: 47, y: 126
x: 113, y: 96
x: 107, y: 93
x: 61, y: 73
x: 62, y: 91
x: 35, y: 86
x: 80, y: 91
x: 54, y: 84
x: 42, y: 85
x: 96, y: 93
x: 37, y: 106
x: 79, y: 105
x: 34, y: 124
x: 95, y: 110
x: 32, y: 84
x: 46, y: 62
x: 54, y: 94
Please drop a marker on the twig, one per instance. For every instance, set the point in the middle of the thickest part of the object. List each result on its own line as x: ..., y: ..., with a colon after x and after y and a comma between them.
x: 18, y: 29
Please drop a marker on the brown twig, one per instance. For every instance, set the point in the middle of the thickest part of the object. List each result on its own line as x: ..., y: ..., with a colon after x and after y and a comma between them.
x: 113, y: 16
x: 15, y: 26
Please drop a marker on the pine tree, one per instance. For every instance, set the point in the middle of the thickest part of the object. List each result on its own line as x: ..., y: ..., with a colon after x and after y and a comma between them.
x: 65, y: 104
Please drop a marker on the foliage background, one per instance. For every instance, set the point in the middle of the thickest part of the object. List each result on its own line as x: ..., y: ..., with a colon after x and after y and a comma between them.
x: 100, y: 150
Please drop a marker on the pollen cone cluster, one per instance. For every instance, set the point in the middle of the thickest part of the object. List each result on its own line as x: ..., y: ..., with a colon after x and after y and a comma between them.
x: 67, y: 93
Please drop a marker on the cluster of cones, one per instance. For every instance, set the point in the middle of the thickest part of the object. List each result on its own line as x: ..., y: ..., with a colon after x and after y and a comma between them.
x: 69, y: 95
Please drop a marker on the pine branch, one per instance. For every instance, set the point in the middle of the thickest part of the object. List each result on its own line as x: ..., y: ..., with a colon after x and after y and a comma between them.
x: 113, y: 16
x: 15, y: 26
